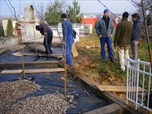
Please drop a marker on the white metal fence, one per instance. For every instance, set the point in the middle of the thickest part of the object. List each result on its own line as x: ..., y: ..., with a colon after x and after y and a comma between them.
x: 139, y: 84
x: 29, y: 32
x: 81, y: 29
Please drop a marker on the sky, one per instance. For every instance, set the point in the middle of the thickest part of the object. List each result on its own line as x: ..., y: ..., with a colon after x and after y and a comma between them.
x: 87, y: 6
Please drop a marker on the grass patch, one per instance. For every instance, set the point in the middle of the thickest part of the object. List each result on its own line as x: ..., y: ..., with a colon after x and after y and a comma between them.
x: 90, y: 60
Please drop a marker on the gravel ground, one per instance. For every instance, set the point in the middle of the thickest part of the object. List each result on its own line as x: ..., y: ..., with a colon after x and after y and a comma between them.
x: 47, y: 104
x: 10, y: 92
x: 13, y: 99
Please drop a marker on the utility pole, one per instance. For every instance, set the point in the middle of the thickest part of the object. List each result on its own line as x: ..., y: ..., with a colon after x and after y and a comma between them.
x: 146, y: 33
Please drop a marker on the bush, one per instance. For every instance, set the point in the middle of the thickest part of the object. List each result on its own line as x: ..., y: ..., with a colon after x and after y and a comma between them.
x: 9, y: 28
x: 1, y: 30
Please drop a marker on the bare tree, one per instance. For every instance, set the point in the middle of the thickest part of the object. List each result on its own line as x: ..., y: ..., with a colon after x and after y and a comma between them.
x: 147, y: 4
x: 40, y: 13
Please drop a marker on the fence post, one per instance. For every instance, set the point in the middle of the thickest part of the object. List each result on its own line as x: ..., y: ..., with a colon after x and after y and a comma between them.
x: 138, y: 67
x: 127, y: 81
x: 90, y: 29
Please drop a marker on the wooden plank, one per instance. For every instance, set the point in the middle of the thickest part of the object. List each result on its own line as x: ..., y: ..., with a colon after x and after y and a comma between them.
x: 110, y: 96
x: 109, y: 109
x: 44, y: 70
x: 74, y: 51
x: 110, y: 88
x: 36, y: 63
x: 11, y: 71
x: 19, y: 54
x: 30, y: 71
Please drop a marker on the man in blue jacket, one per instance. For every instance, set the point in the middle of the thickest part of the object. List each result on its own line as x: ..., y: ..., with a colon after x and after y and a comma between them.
x: 105, y: 31
x: 67, y: 37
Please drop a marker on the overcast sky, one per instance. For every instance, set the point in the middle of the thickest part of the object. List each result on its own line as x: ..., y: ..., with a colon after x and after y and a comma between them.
x: 87, y: 6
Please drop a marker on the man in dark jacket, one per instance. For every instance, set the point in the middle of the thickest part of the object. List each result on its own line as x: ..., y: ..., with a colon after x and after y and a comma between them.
x: 47, y: 32
x: 105, y: 31
x: 122, y: 39
x: 136, y: 35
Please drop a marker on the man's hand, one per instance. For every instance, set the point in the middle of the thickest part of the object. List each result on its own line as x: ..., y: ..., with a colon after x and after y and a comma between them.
x: 44, y: 33
x: 115, y: 46
x: 100, y: 36
x: 111, y: 36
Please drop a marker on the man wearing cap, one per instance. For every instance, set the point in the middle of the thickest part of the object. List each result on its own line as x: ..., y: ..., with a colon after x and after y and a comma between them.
x: 122, y: 39
x: 105, y: 31
x: 68, y: 38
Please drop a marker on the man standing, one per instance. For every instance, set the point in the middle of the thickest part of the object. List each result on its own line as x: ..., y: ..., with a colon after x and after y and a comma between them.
x: 47, y: 32
x: 67, y: 37
x: 122, y: 39
x: 136, y: 35
x: 105, y: 31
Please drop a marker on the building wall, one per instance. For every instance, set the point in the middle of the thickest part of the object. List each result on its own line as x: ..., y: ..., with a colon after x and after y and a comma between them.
x: 4, y: 24
x: 90, y: 21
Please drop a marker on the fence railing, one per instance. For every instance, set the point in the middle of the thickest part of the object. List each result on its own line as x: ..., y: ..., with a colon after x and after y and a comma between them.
x: 29, y: 32
x: 139, y: 84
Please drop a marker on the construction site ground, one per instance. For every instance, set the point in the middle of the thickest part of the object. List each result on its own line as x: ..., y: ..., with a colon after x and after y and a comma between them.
x: 88, y: 65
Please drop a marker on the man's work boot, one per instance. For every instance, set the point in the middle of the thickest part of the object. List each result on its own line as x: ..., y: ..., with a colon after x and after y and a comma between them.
x: 71, y: 70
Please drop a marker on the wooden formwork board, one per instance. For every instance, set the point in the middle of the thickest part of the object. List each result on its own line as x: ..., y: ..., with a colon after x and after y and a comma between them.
x: 30, y: 71
x: 19, y: 54
x: 110, y: 88
x: 36, y: 63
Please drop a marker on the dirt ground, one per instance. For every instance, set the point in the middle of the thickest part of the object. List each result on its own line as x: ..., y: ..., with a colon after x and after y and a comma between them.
x: 89, y: 64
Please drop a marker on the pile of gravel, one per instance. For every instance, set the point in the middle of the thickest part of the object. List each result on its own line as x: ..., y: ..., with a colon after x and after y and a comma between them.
x: 14, y: 99
x: 47, y: 104
x: 10, y: 92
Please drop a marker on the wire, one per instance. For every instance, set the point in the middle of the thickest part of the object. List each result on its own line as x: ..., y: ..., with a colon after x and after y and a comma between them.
x: 13, y: 9
x: 19, y: 8
x: 9, y: 8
